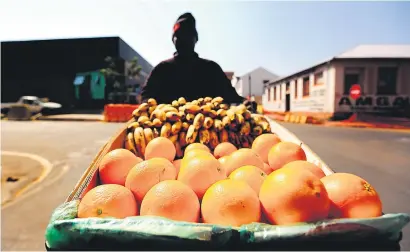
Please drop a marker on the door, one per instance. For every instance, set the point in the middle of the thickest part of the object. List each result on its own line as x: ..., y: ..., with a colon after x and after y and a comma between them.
x: 287, y: 97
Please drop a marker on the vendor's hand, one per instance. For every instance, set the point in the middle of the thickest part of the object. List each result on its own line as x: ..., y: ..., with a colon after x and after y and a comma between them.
x: 249, y: 106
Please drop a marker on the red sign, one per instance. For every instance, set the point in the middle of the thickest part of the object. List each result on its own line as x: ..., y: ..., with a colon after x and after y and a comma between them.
x: 355, y: 91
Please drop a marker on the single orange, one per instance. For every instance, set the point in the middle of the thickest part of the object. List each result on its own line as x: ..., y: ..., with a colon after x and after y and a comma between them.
x: 251, y: 175
x: 196, y: 146
x: 108, y: 200
x: 241, y: 158
x: 160, y: 147
x: 351, y: 197
x: 283, y: 153
x: 263, y: 143
x: 224, y: 149
x: 230, y: 202
x: 300, y: 164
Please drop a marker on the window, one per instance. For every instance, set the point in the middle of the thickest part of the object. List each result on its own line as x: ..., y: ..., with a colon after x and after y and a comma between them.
x: 279, y: 93
x: 265, y: 81
x: 352, y: 76
x: 269, y: 93
x: 274, y: 93
x: 387, y: 80
x: 296, y: 89
x: 306, y: 86
x: 318, y: 79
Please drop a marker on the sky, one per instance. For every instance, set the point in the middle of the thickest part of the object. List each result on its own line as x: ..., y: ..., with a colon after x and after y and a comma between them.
x: 240, y: 36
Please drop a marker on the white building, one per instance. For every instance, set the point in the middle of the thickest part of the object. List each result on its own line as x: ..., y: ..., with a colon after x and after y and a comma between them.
x: 382, y: 71
x: 252, y: 83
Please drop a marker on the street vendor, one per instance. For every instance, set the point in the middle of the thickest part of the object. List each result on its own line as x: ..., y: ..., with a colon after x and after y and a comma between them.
x: 186, y: 74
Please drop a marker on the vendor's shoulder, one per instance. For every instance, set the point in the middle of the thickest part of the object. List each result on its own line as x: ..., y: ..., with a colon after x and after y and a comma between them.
x: 209, y: 63
x: 164, y: 64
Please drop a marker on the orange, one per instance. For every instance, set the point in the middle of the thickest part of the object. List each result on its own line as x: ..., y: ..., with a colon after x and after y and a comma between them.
x: 177, y: 164
x: 250, y: 174
x: 263, y: 143
x: 200, y: 172
x: 299, y: 164
x: 293, y: 195
x: 224, y: 149
x: 173, y: 200
x: 148, y: 173
x: 109, y: 200
x: 283, y: 153
x: 160, y: 147
x: 115, y: 165
x: 351, y: 197
x: 267, y: 169
x: 195, y: 146
x: 230, y: 202
x: 241, y: 158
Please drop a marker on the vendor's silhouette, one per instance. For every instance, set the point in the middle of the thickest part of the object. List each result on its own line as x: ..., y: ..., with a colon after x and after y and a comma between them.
x: 187, y: 75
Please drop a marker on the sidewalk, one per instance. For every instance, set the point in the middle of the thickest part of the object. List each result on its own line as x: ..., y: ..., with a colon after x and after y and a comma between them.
x: 73, y: 117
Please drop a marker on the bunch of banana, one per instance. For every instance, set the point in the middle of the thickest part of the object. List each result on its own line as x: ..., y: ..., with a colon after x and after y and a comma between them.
x: 206, y: 120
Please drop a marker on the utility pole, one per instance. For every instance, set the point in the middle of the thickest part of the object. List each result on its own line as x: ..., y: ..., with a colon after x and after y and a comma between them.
x: 250, y: 94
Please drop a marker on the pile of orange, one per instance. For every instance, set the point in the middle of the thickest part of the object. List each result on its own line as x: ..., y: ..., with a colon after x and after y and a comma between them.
x: 228, y: 186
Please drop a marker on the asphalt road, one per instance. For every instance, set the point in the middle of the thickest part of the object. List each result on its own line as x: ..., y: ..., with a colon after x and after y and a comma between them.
x: 381, y: 157
x: 70, y: 147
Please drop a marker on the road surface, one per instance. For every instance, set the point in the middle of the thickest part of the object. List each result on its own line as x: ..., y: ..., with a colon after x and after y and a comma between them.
x: 381, y: 157
x: 70, y: 147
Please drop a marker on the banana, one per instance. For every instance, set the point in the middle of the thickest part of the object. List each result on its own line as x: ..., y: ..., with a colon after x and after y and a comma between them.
x: 147, y: 124
x: 208, y: 122
x: 257, y: 130
x: 179, y: 153
x: 247, y: 115
x: 185, y: 126
x: 148, y: 134
x: 175, y: 104
x: 224, y: 106
x: 210, y: 104
x: 204, y: 136
x: 159, y: 114
x: 173, y: 138
x: 156, y: 133
x: 245, y: 129
x: 182, y: 109
x: 221, y: 113
x: 145, y: 113
x: 142, y: 119
x: 200, y: 101
x: 136, y: 113
x: 213, y: 139
x: 192, y: 108
x: 143, y: 107
x: 217, y: 100
x: 195, y: 102
x: 212, y: 114
x: 226, y: 121
x: 234, y: 139
x: 152, y: 102
x: 191, y: 134
x: 181, y: 115
x: 244, y: 142
x: 190, y: 118
x: 181, y: 101
x: 239, y: 119
x: 169, y: 108
x: 207, y: 99
x: 132, y: 126
x: 151, y: 109
x: 160, y: 106
x: 139, y: 139
x: 156, y: 123
x: 240, y: 109
x: 176, y: 127
x: 166, y: 130
x: 182, y: 139
x: 231, y: 115
x: 205, y: 109
x: 198, y: 121
x: 130, y: 144
x: 265, y: 126
x: 172, y: 116
x: 218, y: 125
x: 223, y: 136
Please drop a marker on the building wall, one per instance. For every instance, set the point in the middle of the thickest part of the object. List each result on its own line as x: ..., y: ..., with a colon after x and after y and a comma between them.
x: 319, y: 100
x: 257, y: 82
x: 372, y: 100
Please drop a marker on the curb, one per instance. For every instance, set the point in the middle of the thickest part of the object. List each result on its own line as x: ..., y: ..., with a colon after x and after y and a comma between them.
x: 71, y: 119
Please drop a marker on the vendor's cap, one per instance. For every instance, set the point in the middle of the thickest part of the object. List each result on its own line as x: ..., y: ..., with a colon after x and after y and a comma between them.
x: 185, y: 24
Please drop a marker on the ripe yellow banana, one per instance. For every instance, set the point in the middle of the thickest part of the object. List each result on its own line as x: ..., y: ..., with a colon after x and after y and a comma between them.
x: 139, y: 139
x: 181, y: 101
x: 152, y: 102
x: 147, y: 124
x: 257, y: 130
x: 198, y: 121
x: 185, y: 126
x: 159, y: 114
x: 221, y: 113
x: 143, y: 107
x: 191, y: 134
x: 223, y: 136
x: 156, y: 133
x: 176, y: 127
x: 192, y: 108
x: 218, y: 125
x: 166, y: 130
x: 190, y: 118
x: 226, y: 122
x: 175, y: 104
x: 204, y: 136
x: 245, y: 129
x: 173, y: 138
x: 130, y: 144
x: 239, y: 119
x: 148, y: 134
x: 132, y: 126
x: 172, y: 116
x: 207, y: 99
x: 208, y: 122
x: 156, y: 123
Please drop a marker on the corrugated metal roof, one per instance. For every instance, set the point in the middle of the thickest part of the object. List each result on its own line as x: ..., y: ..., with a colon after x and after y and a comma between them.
x: 376, y: 51
x: 361, y: 52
